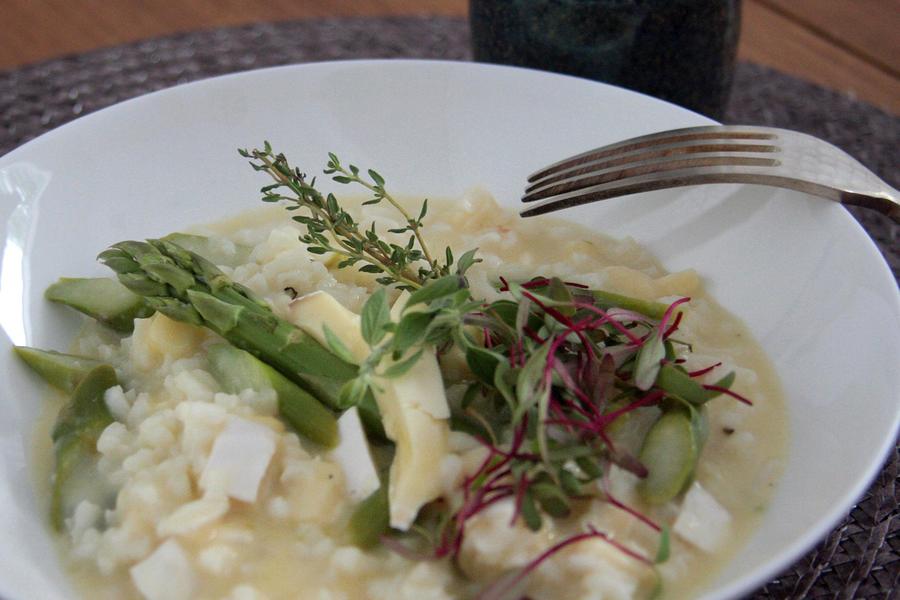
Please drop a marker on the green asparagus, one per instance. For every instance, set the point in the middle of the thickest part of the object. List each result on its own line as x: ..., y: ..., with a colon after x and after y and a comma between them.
x: 237, y: 370
x: 607, y: 300
x: 670, y: 449
x: 75, y: 435
x: 370, y: 520
x: 63, y: 371
x: 210, y: 250
x: 101, y: 298
x: 187, y: 287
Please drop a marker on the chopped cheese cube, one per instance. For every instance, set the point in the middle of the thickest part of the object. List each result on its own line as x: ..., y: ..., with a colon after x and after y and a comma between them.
x: 702, y: 521
x: 192, y: 516
x: 353, y: 455
x: 240, y: 455
x: 165, y: 575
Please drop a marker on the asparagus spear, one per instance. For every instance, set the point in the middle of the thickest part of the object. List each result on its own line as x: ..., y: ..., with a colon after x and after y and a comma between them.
x: 607, y: 300
x: 371, y: 519
x: 670, y: 450
x: 75, y: 435
x: 63, y: 371
x: 186, y: 287
x: 209, y: 249
x: 104, y: 299
x: 237, y: 370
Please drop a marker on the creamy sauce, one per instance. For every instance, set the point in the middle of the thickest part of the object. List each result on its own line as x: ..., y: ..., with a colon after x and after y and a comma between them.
x: 291, y: 543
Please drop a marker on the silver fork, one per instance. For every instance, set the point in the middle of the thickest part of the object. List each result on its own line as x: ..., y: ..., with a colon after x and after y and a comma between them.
x: 713, y: 154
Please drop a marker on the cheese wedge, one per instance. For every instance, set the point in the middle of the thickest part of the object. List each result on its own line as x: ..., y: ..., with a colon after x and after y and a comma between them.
x: 353, y: 455
x: 426, y: 387
x: 313, y: 311
x: 413, y: 407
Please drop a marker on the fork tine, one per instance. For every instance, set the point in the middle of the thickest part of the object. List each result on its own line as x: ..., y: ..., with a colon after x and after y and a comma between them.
x: 688, y: 134
x: 645, y: 155
x: 672, y: 179
x: 582, y: 178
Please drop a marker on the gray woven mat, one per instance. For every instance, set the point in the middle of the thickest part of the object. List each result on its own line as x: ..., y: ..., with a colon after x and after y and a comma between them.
x: 861, y: 558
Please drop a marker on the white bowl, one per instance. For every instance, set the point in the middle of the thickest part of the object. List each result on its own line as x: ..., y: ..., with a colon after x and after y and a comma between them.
x: 799, y: 270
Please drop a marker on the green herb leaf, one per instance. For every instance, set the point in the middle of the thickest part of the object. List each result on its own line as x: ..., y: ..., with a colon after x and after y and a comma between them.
x: 552, y: 499
x: 352, y: 393
x: 530, y: 513
x: 433, y: 290
x: 725, y: 382
x: 410, y: 331
x: 675, y: 382
x: 589, y: 467
x: 375, y: 314
x: 399, y: 368
x: 504, y: 379
x: 560, y: 292
x: 483, y: 362
x: 648, y: 363
x: 523, y: 312
x: 569, y: 482
x: 530, y: 382
x: 664, y: 548
x: 465, y: 262
x: 336, y: 345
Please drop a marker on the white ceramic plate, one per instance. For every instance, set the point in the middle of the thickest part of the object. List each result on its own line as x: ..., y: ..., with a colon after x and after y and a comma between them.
x: 800, y: 271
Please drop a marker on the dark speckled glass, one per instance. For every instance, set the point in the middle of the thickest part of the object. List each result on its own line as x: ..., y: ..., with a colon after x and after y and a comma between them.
x: 679, y: 50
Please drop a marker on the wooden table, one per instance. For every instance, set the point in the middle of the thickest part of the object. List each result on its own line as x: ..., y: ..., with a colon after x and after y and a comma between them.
x: 851, y: 46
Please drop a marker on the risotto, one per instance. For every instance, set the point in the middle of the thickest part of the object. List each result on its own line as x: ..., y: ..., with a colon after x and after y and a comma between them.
x: 165, y: 524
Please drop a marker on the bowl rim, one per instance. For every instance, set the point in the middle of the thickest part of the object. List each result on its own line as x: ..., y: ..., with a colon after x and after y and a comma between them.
x: 738, y: 587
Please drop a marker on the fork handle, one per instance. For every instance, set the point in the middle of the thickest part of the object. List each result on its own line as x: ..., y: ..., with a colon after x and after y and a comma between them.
x: 883, y: 201
x: 886, y: 204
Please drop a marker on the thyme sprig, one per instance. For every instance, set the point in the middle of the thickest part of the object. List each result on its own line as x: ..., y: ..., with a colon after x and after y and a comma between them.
x: 331, y: 229
x: 350, y: 174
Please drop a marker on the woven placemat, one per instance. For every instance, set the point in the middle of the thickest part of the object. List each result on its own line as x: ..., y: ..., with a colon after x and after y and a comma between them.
x: 859, y: 559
